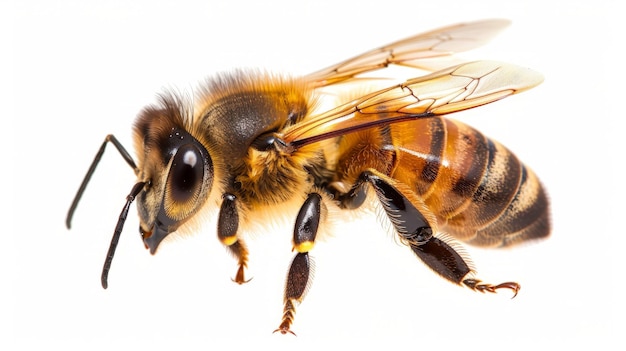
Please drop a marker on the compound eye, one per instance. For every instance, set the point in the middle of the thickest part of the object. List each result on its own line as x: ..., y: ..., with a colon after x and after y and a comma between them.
x: 184, y: 183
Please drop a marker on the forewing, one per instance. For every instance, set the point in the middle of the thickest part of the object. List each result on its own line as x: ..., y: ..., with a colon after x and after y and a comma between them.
x: 450, y: 90
x: 439, y: 42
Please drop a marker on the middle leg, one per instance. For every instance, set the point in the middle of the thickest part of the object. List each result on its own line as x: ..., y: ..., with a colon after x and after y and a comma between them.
x: 300, y: 272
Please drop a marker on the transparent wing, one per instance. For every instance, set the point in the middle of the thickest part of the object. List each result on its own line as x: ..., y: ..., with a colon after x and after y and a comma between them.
x: 439, y: 42
x: 450, y: 90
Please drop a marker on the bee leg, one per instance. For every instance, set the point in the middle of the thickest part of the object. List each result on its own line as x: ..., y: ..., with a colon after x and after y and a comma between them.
x: 227, y: 226
x: 408, y: 214
x: 354, y: 198
x: 300, y: 274
x: 476, y: 285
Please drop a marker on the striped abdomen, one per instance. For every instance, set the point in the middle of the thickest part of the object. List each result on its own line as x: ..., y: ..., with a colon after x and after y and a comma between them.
x: 478, y: 190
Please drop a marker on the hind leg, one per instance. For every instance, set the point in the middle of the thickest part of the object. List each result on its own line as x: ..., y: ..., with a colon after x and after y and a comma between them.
x: 416, y: 225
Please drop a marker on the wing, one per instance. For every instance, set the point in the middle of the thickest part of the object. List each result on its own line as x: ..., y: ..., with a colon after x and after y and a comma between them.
x: 439, y: 42
x: 450, y: 90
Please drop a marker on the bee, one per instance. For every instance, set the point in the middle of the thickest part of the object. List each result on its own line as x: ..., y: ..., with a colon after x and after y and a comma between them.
x: 251, y: 142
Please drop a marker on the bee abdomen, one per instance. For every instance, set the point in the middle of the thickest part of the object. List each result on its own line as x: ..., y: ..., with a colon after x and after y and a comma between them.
x: 509, y: 206
x: 525, y: 218
x: 480, y: 191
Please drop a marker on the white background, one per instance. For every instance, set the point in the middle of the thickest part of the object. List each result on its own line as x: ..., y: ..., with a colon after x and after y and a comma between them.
x: 78, y: 70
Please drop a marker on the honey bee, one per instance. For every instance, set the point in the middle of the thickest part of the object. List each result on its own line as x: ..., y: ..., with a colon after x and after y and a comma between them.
x: 253, y: 141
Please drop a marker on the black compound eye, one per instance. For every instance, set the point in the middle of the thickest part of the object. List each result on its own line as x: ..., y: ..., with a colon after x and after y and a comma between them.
x: 186, y: 174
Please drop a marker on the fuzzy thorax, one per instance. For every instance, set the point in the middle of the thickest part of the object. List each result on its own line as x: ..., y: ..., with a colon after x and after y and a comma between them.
x: 273, y: 177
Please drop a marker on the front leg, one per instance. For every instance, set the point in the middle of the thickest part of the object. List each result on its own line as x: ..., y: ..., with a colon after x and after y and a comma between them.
x: 227, y: 226
x: 299, y: 276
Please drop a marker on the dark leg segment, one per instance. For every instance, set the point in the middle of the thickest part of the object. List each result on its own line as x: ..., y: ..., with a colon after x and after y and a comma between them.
x: 443, y: 259
x: 402, y: 208
x: 408, y: 221
x: 299, y: 277
x: 307, y: 223
x: 297, y: 281
x: 227, y: 226
x: 353, y: 199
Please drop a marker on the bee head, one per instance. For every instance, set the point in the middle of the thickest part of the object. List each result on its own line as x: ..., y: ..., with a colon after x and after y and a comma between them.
x: 176, y: 167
